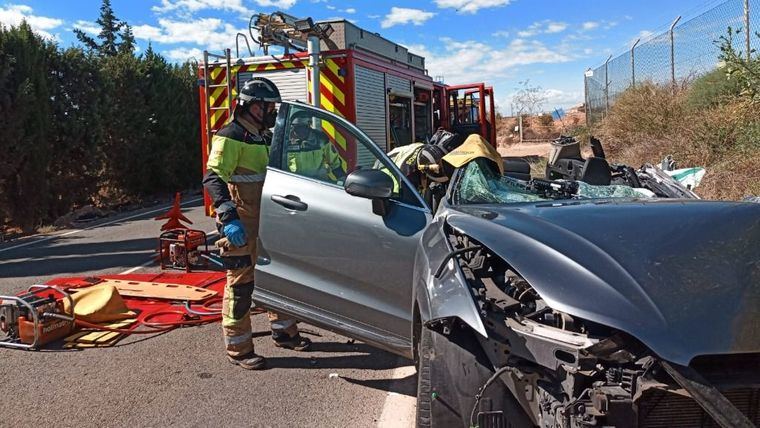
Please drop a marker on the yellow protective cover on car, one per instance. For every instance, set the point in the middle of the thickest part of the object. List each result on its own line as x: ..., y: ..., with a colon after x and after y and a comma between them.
x: 474, y: 147
x: 99, y: 303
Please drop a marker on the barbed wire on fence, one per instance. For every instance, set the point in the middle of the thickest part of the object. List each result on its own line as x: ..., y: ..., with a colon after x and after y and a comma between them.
x: 685, y: 51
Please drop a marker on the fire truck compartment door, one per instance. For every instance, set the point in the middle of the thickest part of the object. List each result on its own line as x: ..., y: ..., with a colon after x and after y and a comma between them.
x: 291, y: 82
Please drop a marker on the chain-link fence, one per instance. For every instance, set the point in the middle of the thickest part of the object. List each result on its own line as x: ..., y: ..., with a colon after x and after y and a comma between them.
x: 687, y: 50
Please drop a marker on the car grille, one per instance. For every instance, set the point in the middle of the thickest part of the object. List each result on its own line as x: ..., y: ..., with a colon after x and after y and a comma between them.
x: 661, y: 409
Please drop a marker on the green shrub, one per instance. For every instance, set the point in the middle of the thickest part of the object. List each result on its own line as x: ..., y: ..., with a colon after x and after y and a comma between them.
x: 80, y: 127
x: 711, y: 89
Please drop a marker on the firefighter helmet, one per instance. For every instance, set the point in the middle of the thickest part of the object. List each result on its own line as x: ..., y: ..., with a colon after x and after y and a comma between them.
x: 441, y: 143
x: 258, y: 89
x: 300, y: 124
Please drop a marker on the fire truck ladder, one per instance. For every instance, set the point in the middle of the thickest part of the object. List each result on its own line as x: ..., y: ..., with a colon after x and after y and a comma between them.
x: 209, y: 86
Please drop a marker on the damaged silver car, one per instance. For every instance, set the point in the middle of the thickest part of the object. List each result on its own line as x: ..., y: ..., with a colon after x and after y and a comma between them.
x: 524, y: 303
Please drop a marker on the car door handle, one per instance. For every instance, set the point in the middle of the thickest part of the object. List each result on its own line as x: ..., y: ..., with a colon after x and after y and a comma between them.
x: 290, y: 202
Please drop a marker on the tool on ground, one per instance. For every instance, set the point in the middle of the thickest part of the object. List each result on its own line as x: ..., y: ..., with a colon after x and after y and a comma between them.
x: 183, y: 249
x: 34, y: 318
x: 90, y: 312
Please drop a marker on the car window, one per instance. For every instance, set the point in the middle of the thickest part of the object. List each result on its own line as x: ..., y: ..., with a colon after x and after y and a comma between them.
x: 317, y: 146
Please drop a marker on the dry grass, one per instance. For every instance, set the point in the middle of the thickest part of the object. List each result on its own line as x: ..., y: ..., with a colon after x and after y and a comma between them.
x: 538, y: 166
x: 651, y: 121
x: 47, y: 229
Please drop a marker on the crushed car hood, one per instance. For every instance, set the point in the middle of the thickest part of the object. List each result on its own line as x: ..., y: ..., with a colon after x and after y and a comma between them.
x: 683, y: 277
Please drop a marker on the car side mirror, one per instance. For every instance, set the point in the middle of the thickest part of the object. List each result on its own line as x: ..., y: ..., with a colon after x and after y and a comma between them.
x: 371, y: 184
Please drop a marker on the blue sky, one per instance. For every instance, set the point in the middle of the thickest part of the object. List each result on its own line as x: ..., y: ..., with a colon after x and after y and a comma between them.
x: 501, y: 42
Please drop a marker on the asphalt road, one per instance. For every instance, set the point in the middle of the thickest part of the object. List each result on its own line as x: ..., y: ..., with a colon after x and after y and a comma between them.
x: 182, y: 377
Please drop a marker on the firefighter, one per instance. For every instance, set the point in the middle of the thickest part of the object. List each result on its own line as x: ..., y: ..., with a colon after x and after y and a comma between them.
x: 234, y: 179
x: 310, y: 152
x: 421, y: 163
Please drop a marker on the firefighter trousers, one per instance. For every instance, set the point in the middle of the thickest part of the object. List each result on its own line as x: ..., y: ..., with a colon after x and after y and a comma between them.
x: 236, y: 304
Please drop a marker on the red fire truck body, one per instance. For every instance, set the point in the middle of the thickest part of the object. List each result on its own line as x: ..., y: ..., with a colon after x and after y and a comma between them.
x: 376, y: 84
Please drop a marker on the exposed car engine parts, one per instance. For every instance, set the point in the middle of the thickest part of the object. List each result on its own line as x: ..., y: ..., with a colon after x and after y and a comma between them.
x: 553, y: 189
x: 566, y: 162
x: 566, y: 371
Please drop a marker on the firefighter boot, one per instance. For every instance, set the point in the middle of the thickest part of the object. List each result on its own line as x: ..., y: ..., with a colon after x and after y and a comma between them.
x: 249, y: 361
x: 285, y: 332
x: 296, y: 343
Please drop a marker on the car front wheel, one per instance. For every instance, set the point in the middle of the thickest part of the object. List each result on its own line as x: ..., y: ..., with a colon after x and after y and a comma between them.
x: 451, y: 370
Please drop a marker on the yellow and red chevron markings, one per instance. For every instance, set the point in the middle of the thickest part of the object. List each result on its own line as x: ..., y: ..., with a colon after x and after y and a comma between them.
x: 333, y: 90
x: 218, y: 76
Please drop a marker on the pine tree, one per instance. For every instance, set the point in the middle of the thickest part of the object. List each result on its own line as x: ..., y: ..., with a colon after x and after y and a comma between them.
x: 109, y: 31
x: 149, y: 52
x: 86, y: 40
x: 127, y: 45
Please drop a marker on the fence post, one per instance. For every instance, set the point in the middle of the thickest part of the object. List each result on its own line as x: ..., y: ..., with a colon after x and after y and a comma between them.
x: 607, y: 86
x: 520, y: 124
x: 633, y: 63
x: 746, y: 29
x: 673, y: 53
x: 586, y: 76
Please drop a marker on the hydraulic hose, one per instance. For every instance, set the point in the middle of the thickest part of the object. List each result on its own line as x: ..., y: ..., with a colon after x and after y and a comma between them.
x: 206, y: 306
x: 183, y: 321
x: 155, y: 327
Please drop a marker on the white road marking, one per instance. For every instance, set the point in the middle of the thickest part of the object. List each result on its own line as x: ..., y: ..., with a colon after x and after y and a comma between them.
x: 153, y: 259
x: 71, y: 232
x: 130, y: 270
x: 399, y: 410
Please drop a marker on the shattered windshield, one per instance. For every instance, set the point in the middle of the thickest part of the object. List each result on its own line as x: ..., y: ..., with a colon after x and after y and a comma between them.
x: 482, y: 184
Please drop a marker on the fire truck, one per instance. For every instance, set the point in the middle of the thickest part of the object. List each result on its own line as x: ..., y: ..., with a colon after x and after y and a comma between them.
x: 373, y: 82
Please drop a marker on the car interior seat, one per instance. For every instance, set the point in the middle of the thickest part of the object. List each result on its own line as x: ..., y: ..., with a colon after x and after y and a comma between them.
x: 516, y: 167
x: 596, y: 171
x: 566, y: 162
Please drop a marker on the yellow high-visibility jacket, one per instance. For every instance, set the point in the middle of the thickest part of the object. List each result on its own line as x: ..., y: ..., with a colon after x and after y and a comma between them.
x: 315, y: 157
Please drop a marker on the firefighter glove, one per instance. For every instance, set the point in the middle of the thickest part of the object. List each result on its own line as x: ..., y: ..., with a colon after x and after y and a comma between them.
x: 234, y: 232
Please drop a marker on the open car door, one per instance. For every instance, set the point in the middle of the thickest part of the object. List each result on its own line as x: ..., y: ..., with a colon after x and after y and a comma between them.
x: 324, y: 256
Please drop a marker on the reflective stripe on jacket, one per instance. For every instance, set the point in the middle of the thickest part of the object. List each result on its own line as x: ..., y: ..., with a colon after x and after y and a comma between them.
x: 235, y: 147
